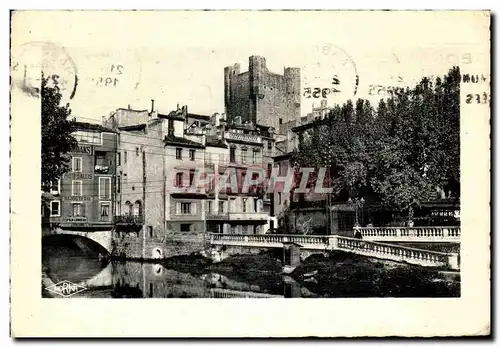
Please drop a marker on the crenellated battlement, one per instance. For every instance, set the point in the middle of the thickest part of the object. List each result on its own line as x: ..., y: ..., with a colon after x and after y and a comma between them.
x: 262, y: 96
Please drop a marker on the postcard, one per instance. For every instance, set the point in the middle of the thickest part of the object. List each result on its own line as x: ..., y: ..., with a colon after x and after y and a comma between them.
x: 250, y: 173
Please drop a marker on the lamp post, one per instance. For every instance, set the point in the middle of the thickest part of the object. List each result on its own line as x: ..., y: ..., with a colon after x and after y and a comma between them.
x: 358, y: 203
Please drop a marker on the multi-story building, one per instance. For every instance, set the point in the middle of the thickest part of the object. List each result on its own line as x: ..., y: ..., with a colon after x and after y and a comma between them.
x: 159, y: 158
x: 237, y: 208
x: 261, y: 96
x: 83, y: 199
x: 185, y: 156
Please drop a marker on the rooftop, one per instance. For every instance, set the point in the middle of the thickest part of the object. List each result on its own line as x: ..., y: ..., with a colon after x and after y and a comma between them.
x: 91, y: 126
x: 180, y: 141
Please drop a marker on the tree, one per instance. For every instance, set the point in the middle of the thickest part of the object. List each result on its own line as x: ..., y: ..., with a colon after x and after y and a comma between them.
x: 418, y: 146
x: 57, y: 140
x: 398, y: 154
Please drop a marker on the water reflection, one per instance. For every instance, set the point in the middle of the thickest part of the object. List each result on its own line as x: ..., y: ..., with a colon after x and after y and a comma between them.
x: 147, y: 280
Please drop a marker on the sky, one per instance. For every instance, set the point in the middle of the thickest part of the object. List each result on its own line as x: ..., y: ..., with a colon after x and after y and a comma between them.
x: 175, y: 57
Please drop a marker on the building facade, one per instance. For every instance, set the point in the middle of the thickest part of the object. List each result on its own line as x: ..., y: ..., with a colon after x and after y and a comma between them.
x: 159, y: 161
x: 83, y: 199
x: 261, y: 96
x: 236, y: 156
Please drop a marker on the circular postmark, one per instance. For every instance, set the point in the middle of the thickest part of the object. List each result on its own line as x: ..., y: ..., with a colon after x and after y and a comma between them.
x: 330, y: 78
x: 385, y: 77
x: 35, y: 59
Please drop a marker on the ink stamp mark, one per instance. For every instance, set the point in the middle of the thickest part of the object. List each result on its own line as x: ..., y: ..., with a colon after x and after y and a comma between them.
x: 114, y: 70
x: 66, y: 288
x: 37, y: 57
x: 334, y: 73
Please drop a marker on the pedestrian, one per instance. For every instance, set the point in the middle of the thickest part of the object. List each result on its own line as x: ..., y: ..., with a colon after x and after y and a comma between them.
x: 358, y: 235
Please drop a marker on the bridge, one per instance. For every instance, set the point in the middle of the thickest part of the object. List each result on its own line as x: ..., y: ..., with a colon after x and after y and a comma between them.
x: 88, y: 241
x: 322, y: 243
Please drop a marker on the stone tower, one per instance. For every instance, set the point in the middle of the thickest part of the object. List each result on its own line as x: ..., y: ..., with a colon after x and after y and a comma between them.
x: 261, y: 96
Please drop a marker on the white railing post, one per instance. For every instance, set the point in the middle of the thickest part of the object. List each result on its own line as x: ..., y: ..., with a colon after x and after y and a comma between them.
x: 453, y: 261
x: 333, y: 242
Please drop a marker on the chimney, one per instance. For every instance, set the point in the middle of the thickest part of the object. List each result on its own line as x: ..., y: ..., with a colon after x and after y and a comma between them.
x: 129, y: 106
x: 152, y: 105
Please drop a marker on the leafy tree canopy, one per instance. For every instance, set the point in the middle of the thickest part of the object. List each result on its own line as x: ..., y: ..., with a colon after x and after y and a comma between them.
x: 400, y: 153
x: 57, y: 140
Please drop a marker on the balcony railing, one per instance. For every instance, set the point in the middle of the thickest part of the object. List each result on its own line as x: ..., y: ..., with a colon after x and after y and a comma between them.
x: 238, y: 216
x: 217, y: 216
x: 101, y: 169
x: 189, y: 190
x: 248, y: 216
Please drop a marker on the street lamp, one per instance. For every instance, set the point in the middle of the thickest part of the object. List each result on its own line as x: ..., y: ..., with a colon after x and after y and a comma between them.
x: 358, y: 203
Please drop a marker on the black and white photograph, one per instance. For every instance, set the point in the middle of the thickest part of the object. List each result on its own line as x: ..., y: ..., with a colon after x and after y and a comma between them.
x: 252, y: 154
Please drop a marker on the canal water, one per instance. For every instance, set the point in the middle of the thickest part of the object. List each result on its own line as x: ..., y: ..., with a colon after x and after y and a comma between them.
x: 130, y: 279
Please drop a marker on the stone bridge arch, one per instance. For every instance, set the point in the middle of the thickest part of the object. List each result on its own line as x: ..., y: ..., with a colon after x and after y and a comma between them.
x: 87, y: 241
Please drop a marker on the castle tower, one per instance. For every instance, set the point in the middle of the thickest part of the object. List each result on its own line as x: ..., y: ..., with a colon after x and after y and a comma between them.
x: 261, y: 96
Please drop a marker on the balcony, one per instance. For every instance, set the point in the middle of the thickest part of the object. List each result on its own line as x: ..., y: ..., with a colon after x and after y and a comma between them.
x: 249, y: 216
x: 217, y: 216
x: 129, y: 223
x: 199, y: 192
x: 101, y: 169
x: 260, y: 217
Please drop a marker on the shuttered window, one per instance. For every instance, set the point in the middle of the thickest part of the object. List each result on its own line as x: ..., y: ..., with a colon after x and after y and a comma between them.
x: 55, y: 208
x: 77, y: 164
x: 78, y: 209
x: 186, y: 208
x: 76, y: 188
x: 104, y: 188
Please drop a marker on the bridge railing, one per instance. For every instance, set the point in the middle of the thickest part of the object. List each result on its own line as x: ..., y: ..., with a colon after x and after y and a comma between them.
x: 410, y: 232
x: 397, y: 252
x: 271, y: 239
x: 335, y: 242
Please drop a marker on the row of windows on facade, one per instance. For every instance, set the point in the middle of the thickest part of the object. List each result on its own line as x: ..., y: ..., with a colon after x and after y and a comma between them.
x: 222, y: 204
x: 77, y: 188
x: 186, y: 208
x: 179, y: 178
x: 78, y: 209
x: 101, y: 164
x: 192, y: 155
